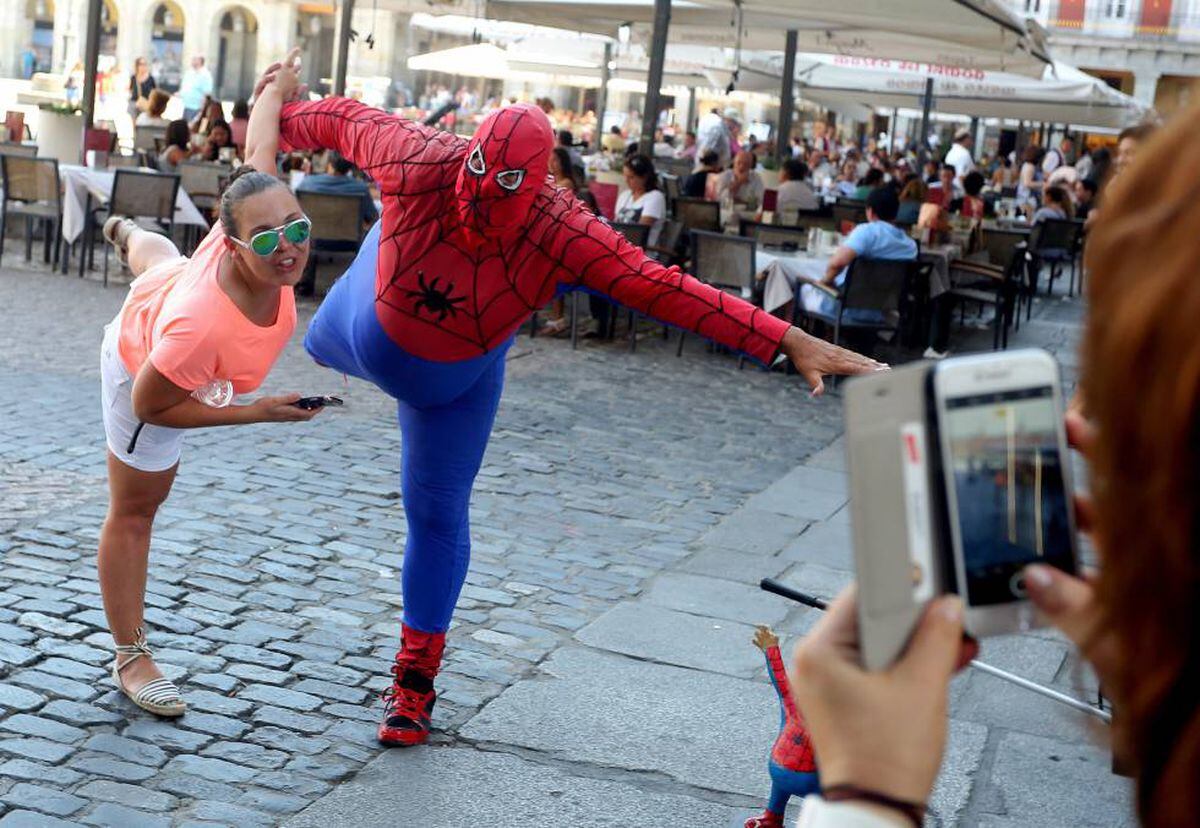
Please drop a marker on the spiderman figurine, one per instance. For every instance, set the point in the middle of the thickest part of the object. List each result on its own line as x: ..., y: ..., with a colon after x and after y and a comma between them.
x: 473, y: 239
x: 792, y: 766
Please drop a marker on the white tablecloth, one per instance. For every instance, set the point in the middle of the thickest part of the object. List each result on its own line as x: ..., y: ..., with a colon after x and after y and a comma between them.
x: 941, y: 257
x: 80, y: 182
x: 782, y: 270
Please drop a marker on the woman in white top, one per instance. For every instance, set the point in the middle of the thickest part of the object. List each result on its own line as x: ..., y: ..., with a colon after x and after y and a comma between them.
x: 795, y: 193
x: 643, y: 202
x: 153, y: 116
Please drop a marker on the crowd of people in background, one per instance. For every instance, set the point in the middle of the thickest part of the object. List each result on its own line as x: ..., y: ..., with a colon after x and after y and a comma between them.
x: 916, y: 188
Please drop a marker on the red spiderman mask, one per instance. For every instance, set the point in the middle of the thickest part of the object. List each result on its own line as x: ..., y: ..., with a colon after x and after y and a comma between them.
x: 504, y: 170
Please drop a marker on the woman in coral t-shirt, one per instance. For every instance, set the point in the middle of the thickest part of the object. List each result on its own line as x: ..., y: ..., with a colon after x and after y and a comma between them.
x: 191, y: 334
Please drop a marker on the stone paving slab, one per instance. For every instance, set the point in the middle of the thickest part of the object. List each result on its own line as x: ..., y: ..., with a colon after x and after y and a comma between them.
x: 461, y: 786
x: 738, y: 567
x: 652, y: 633
x: 715, y: 598
x: 699, y: 728
x: 1040, y: 781
x: 806, y: 493
x: 754, y: 530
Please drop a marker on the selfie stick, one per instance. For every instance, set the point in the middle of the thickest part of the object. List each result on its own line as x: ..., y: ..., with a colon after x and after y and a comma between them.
x: 771, y: 585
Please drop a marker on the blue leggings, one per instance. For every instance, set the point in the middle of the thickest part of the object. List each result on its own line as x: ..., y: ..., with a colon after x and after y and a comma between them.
x: 786, y: 783
x: 445, y: 410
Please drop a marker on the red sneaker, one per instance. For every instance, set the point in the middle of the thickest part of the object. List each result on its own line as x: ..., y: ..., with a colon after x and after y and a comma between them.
x: 408, y: 703
x: 769, y: 819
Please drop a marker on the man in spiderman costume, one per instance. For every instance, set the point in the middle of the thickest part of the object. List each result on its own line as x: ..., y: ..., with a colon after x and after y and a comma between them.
x: 792, y: 766
x: 473, y: 239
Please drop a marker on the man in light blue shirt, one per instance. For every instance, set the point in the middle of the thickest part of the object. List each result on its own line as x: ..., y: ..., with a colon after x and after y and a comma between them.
x: 878, y: 238
x: 196, y: 86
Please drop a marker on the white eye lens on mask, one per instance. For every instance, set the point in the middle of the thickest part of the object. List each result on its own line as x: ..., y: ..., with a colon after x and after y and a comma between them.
x: 475, y: 162
x: 510, y: 179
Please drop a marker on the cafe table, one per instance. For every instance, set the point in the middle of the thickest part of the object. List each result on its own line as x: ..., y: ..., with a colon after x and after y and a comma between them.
x: 85, y: 186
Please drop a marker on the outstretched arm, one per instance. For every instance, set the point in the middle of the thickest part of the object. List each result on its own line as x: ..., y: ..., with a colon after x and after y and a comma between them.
x: 391, y: 150
x: 262, y: 132
x: 595, y: 256
x: 779, y: 679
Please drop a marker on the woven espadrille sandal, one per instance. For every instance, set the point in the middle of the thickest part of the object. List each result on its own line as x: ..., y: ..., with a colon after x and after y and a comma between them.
x: 160, y: 696
x: 116, y: 232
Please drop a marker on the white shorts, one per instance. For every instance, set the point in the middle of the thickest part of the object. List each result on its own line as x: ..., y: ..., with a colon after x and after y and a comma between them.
x: 158, y: 447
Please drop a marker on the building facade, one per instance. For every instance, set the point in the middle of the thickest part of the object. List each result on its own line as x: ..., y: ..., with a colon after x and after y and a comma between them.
x: 1146, y: 48
x: 238, y: 39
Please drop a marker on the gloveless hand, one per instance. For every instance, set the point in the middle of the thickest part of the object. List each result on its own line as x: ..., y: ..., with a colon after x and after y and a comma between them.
x: 280, y: 409
x: 814, y: 358
x: 1067, y: 602
x: 882, y: 731
x: 287, y: 77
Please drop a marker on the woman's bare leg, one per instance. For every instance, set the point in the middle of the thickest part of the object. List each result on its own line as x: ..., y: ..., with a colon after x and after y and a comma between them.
x: 134, y: 498
x: 146, y: 249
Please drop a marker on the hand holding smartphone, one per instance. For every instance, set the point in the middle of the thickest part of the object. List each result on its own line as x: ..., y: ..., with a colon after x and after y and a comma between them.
x: 310, y: 403
x: 960, y: 478
x: 1006, y: 473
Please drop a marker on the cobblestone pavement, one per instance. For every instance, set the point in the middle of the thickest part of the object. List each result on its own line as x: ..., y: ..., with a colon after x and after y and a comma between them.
x: 600, y: 670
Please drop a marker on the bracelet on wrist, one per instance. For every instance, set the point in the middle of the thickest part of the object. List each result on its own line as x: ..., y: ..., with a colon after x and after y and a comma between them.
x: 913, y: 811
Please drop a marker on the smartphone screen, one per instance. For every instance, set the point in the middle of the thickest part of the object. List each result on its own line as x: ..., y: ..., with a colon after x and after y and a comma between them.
x: 1009, y: 488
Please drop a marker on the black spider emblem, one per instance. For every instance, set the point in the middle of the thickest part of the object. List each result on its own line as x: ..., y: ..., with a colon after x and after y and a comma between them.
x: 430, y: 298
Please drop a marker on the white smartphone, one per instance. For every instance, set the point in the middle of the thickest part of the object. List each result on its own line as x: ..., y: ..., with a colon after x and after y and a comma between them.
x: 897, y: 552
x: 1002, y: 446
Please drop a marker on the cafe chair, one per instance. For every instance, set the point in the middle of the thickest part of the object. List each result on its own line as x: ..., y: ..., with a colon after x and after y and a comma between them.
x: 698, y: 214
x: 874, y: 297
x: 725, y: 262
x: 138, y: 195
x: 337, y: 230
x: 32, y: 190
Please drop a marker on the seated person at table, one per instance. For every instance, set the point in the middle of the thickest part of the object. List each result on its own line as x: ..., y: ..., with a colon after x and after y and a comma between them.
x: 795, y: 193
x: 873, y: 180
x: 153, y: 116
x: 239, y: 120
x: 972, y: 203
x: 179, y: 146
x: 220, y: 137
x: 566, y: 140
x: 878, y: 238
x: 696, y: 184
x: 613, y: 141
x: 912, y: 196
x: 943, y: 193
x: 742, y: 183
x: 847, y: 180
x: 210, y: 112
x: 1085, y: 197
x: 339, y: 179
x: 1056, y: 205
x: 643, y: 202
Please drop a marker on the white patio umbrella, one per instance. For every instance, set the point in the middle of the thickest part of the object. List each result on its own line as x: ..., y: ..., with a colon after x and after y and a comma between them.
x: 1062, y: 95
x: 966, y: 33
x: 485, y: 60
